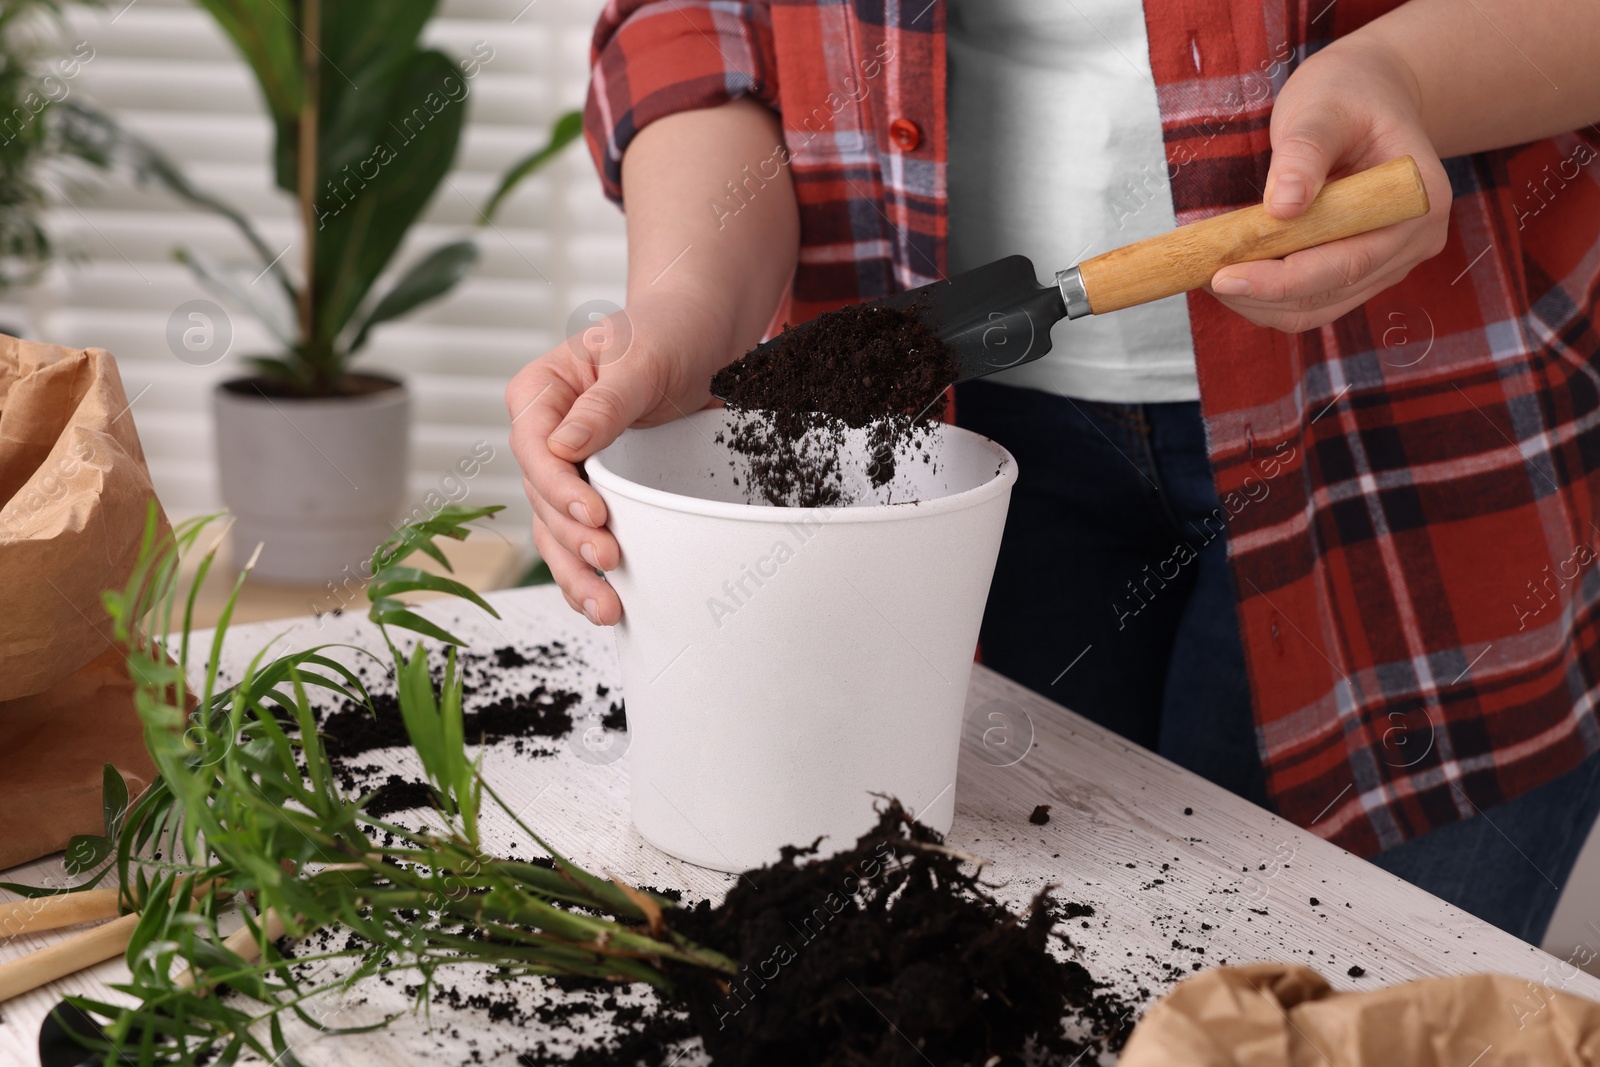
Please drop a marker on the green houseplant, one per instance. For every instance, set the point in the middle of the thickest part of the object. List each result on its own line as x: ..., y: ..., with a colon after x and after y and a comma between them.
x: 249, y: 822
x: 246, y: 783
x: 38, y: 134
x: 312, y: 454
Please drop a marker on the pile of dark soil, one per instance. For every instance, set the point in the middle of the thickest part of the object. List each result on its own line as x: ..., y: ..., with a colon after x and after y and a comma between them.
x: 889, y: 953
x: 865, y: 366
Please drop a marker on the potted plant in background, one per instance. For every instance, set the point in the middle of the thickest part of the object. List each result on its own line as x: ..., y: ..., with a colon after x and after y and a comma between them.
x: 312, y: 455
x: 37, y: 137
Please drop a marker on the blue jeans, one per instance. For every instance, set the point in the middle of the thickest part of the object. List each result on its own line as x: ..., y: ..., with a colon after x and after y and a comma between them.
x: 1086, y: 610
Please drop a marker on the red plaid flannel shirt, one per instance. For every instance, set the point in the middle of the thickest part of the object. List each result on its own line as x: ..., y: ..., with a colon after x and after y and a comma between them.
x: 1411, y: 488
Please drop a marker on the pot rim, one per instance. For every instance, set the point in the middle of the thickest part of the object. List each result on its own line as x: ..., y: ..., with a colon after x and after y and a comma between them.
x: 396, y: 393
x: 602, y: 476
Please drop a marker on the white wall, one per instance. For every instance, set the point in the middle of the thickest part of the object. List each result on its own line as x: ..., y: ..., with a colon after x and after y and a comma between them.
x: 164, y: 68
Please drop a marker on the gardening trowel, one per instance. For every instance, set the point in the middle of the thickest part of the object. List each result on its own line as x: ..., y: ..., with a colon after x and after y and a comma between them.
x: 998, y: 316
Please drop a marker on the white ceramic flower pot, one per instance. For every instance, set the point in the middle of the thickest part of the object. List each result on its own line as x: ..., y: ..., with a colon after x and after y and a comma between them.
x: 783, y: 665
x: 317, y: 482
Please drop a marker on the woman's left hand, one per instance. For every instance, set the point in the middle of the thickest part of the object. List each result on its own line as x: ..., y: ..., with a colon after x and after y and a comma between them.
x: 1349, y: 107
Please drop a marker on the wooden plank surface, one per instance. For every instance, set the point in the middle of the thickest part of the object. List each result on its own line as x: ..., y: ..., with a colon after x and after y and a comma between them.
x: 1170, y: 891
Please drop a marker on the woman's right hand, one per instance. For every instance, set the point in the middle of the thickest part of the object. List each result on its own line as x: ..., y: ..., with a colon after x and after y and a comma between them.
x: 702, y: 287
x: 645, y: 365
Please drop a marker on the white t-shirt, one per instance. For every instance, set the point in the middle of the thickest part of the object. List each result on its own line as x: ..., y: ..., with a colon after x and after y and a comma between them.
x: 1056, y: 153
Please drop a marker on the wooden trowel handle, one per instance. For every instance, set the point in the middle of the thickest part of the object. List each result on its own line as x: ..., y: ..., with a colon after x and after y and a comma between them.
x: 1187, y: 257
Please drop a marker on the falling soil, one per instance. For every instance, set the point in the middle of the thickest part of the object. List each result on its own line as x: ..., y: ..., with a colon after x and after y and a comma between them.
x: 865, y: 366
x: 889, y: 954
x: 1041, y: 815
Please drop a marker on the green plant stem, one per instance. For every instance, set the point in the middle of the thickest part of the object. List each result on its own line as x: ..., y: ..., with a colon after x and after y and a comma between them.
x: 247, y: 807
x: 310, y: 111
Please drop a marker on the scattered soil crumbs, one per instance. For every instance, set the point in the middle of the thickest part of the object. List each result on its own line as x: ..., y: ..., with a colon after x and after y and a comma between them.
x: 945, y: 963
x: 540, y: 713
x: 512, y: 695
x: 509, y: 657
x: 1041, y: 815
x: 887, y: 954
x: 399, y: 794
x: 865, y: 366
x: 890, y: 953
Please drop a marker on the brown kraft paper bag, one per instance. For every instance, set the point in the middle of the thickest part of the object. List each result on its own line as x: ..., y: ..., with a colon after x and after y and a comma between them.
x: 1285, y: 1015
x: 74, y: 494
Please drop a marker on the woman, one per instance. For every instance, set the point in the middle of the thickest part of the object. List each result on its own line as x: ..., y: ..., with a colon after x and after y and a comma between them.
x: 1322, y: 533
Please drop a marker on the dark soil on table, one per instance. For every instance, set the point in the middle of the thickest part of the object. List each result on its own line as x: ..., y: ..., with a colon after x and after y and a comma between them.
x: 890, y: 954
x: 399, y: 794
x: 541, y: 710
x: 511, y: 696
x: 864, y: 366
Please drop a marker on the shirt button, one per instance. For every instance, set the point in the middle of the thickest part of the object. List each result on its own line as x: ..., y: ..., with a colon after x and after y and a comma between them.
x: 905, y: 134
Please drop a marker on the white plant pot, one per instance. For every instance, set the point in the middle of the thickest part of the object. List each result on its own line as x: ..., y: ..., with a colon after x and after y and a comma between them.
x: 783, y: 665
x: 317, y: 482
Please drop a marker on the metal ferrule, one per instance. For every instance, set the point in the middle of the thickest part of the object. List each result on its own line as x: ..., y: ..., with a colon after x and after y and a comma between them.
x: 1073, y: 292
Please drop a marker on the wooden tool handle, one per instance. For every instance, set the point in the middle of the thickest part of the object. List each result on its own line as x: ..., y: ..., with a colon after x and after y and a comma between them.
x: 52, y: 913
x: 104, y: 942
x: 243, y: 943
x: 1187, y: 257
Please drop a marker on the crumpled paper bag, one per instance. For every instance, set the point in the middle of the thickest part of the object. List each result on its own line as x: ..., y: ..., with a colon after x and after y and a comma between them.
x: 1285, y: 1015
x: 74, y: 493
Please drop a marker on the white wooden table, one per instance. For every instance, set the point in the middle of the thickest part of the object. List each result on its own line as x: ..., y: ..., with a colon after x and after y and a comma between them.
x: 1228, y: 883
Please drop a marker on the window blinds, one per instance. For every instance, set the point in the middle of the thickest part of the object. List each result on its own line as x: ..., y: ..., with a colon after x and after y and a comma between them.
x: 166, y: 71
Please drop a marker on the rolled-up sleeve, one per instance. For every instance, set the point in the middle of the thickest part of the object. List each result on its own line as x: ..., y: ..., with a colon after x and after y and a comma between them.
x: 652, y: 58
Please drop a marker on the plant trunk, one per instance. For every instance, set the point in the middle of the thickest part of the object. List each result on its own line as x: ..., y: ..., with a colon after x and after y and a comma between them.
x: 310, y: 108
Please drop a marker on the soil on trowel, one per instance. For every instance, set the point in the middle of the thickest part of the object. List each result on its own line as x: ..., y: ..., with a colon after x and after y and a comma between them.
x: 864, y: 366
